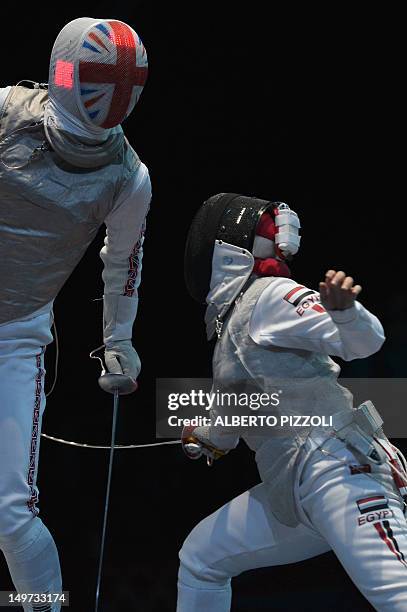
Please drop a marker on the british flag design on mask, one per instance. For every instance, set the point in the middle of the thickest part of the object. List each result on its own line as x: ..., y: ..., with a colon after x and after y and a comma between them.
x: 112, y: 72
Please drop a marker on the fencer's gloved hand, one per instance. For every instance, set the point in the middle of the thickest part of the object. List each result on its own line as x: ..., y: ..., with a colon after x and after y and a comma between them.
x: 195, y: 444
x: 122, y: 358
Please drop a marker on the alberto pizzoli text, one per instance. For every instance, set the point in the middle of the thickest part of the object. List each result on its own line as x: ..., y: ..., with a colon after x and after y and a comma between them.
x: 253, y: 421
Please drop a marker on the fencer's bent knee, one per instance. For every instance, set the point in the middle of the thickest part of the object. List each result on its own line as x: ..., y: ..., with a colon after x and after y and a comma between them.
x: 195, y: 564
x: 192, y: 562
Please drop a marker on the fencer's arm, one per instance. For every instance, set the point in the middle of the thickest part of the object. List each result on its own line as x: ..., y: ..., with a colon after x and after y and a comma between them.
x: 122, y: 257
x: 361, y: 333
x: 288, y: 315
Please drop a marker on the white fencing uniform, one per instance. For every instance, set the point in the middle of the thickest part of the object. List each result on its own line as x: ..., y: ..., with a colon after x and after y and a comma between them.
x: 316, y: 493
x: 61, y: 220
x: 28, y: 546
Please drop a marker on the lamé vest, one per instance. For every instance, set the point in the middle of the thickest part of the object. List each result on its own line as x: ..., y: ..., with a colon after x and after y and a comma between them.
x: 304, y: 383
x: 50, y: 211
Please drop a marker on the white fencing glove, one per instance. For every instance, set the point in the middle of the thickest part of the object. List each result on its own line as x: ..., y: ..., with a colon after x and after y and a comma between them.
x: 196, y: 443
x: 119, y: 313
x: 122, y: 358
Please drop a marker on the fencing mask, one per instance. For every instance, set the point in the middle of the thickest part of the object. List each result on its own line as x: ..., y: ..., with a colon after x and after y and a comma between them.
x: 97, y: 72
x: 231, y: 237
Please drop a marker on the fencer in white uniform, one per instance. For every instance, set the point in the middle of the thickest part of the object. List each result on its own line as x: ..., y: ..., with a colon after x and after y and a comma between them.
x: 66, y: 168
x: 339, y: 486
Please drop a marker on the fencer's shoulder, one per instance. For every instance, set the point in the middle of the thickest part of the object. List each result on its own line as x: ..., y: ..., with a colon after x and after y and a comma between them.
x: 135, y: 181
x: 279, y: 307
x: 141, y: 176
x: 135, y: 193
x: 282, y: 288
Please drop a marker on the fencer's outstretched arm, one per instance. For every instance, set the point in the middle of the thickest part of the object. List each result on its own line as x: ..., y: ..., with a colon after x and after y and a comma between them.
x: 122, y: 257
x: 289, y: 315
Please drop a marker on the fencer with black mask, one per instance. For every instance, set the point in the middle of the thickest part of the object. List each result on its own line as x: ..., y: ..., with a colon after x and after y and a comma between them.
x: 66, y: 168
x: 338, y: 487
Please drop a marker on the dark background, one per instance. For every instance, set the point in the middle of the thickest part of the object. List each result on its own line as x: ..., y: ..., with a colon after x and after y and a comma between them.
x: 296, y: 106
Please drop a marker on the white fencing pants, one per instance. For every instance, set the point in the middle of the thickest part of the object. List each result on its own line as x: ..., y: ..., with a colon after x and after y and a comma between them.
x: 353, y: 514
x: 26, y: 543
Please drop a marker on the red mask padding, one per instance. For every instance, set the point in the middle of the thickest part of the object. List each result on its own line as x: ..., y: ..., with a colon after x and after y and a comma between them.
x: 266, y: 227
x: 270, y: 266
